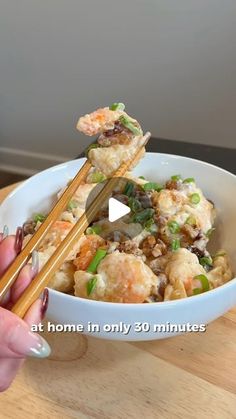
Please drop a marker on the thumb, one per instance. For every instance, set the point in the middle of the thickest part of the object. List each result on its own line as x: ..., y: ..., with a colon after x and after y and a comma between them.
x: 16, y: 339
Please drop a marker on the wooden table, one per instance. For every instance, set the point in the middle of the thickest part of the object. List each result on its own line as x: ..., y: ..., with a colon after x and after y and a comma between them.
x: 190, y: 376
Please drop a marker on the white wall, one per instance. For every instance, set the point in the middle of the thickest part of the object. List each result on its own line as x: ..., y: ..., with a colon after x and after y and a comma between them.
x: 173, y: 62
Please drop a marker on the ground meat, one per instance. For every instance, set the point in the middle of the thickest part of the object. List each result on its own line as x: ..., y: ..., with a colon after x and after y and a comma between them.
x: 160, y: 220
x: 130, y: 247
x: 159, y: 248
x: 117, y: 236
x: 158, y: 265
x: 118, y: 135
x: 190, y: 231
x: 29, y: 227
x: 148, y: 245
x: 144, y: 198
x: 173, y: 184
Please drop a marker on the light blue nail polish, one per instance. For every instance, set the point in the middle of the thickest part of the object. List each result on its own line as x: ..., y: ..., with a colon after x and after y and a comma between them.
x: 5, y: 232
x: 35, y: 261
x: 42, y: 350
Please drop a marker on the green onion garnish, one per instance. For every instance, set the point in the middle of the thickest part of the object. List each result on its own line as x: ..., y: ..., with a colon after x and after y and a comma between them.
x: 129, y: 124
x: 94, y: 145
x: 72, y: 204
x: 204, y: 281
x: 209, y: 232
x: 175, y: 245
x: 195, y: 198
x: 134, y: 204
x: 150, y: 186
x: 206, y: 261
x: 91, y: 284
x: 189, y: 180
x: 173, y: 227
x: 149, y: 225
x: 100, y: 254
x: 176, y: 177
x: 117, y: 106
x: 39, y: 218
x: 191, y: 221
x: 129, y: 189
x: 197, y: 291
x: 96, y: 229
x: 97, y: 177
x: 143, y: 216
x: 141, y: 177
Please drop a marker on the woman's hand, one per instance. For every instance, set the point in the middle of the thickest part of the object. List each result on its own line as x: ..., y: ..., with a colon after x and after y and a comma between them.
x: 16, y: 339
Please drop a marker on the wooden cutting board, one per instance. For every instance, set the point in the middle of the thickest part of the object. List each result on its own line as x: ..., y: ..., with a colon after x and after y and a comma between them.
x: 190, y: 376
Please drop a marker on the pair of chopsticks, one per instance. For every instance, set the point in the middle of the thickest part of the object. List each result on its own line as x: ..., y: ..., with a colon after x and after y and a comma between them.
x: 56, y: 260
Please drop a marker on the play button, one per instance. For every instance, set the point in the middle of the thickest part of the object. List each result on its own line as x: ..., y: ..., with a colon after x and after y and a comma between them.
x: 116, y: 210
x: 125, y: 212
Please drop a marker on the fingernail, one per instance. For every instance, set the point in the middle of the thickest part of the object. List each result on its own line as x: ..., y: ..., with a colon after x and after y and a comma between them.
x: 41, y: 350
x: 44, y: 303
x: 35, y: 261
x: 19, y: 239
x: 5, y: 232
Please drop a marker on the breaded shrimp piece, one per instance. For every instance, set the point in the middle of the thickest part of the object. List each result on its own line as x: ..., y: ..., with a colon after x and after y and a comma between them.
x: 183, y: 266
x: 98, y: 121
x: 221, y: 272
x: 108, y: 159
x: 121, y: 278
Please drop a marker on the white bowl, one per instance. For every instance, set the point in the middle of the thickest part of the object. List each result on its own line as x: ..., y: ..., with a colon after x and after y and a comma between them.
x: 37, y: 194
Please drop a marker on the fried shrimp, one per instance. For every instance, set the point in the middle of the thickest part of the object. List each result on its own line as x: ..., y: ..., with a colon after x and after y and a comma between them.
x: 121, y: 278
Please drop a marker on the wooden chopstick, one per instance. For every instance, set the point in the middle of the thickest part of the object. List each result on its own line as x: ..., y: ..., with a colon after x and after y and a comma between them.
x: 56, y: 260
x: 10, y: 276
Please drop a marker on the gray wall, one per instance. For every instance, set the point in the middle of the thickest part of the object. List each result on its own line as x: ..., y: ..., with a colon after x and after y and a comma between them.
x: 172, y: 62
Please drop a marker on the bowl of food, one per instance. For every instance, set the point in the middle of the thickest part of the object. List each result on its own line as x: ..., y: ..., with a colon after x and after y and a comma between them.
x: 164, y: 268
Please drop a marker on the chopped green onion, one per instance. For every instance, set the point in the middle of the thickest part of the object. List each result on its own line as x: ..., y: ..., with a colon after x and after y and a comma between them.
x: 141, y: 177
x: 94, y: 145
x: 96, y: 229
x: 130, y: 125
x: 176, y: 177
x: 129, y: 189
x: 134, y: 204
x: 39, y: 218
x: 197, y: 291
x: 206, y: 261
x: 97, y: 177
x: 142, y: 216
x: 189, y: 180
x: 91, y: 284
x: 175, y: 245
x: 117, y: 106
x: 150, y: 226
x: 204, y: 281
x: 173, y: 227
x: 150, y: 186
x: 195, y: 198
x: 191, y: 221
x: 100, y: 254
x: 72, y: 204
x: 209, y: 232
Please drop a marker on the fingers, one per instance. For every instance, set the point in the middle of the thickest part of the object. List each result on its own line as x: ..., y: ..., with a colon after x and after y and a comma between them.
x: 7, y: 253
x: 8, y: 371
x: 24, y: 279
x: 16, y: 339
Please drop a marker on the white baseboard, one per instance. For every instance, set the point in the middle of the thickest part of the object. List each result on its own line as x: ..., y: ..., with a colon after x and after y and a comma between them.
x: 26, y: 162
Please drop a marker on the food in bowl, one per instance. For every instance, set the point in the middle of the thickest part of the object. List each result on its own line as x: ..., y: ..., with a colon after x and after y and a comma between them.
x: 157, y: 252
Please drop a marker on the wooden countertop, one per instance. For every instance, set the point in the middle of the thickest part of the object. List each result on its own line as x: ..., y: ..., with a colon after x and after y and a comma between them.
x: 190, y: 376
